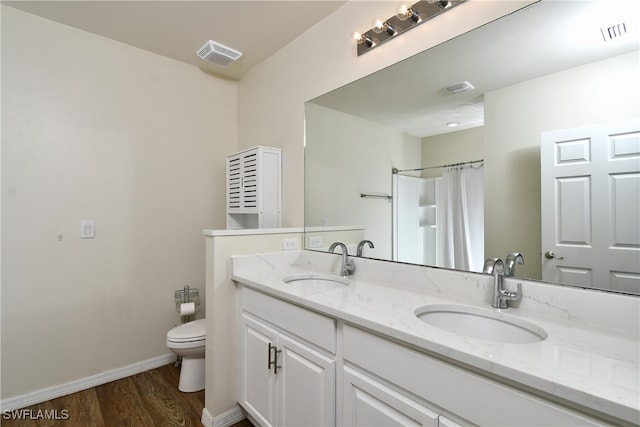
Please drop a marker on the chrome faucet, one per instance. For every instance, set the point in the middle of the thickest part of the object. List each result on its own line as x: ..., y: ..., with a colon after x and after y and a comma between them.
x: 348, y: 266
x: 361, y: 244
x: 501, y: 296
x: 510, y: 263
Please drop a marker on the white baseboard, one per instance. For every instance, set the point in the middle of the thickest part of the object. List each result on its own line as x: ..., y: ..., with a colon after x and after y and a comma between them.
x: 226, y: 419
x: 49, y: 393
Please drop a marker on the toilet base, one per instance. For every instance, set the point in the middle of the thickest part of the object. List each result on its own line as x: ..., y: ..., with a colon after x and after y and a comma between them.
x: 191, y: 375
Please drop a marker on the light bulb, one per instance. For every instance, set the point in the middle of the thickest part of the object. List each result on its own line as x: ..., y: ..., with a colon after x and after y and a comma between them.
x: 405, y: 12
x: 360, y: 38
x: 380, y: 25
x: 401, y: 13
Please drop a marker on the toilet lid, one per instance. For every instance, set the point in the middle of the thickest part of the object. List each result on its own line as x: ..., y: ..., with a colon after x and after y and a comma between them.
x: 191, y: 331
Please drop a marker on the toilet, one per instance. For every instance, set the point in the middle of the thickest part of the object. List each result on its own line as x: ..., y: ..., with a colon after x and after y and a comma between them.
x: 188, y: 340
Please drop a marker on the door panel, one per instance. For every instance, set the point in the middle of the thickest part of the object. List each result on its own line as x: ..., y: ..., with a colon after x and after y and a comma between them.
x: 368, y: 403
x: 590, y: 185
x: 306, y: 385
x: 626, y: 227
x: 574, y: 210
x: 258, y: 380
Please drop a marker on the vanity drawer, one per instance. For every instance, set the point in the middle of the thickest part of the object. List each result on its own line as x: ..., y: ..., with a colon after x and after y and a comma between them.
x: 308, y: 325
x: 468, y: 395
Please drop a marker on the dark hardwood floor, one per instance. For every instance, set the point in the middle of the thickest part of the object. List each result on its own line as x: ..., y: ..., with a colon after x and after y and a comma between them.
x: 149, y: 399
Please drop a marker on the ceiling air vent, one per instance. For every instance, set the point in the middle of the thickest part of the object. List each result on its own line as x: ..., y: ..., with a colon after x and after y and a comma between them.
x: 614, y: 32
x: 218, y: 53
x: 458, y: 88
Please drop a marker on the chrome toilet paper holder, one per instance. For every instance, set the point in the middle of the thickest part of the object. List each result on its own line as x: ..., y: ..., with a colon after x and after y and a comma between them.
x: 184, y: 296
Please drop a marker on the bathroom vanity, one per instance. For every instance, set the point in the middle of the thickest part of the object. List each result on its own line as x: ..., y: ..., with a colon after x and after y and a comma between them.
x: 318, y: 349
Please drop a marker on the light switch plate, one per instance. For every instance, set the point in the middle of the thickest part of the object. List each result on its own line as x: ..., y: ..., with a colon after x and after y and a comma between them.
x: 290, y: 244
x: 314, y: 242
x: 87, y: 229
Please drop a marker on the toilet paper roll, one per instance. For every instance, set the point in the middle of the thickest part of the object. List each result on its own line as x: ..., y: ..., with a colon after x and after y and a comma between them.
x: 187, y: 308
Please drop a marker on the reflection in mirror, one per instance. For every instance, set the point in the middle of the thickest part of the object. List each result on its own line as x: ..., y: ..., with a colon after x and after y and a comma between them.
x: 550, y: 66
x: 439, y: 220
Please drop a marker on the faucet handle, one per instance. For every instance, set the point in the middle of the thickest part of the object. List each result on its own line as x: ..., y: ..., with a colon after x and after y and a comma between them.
x: 349, y: 267
x: 511, y: 295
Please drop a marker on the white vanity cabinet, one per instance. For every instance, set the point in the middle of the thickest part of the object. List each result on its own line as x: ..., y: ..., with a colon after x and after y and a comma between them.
x: 287, y: 362
x: 386, y: 383
x: 254, y: 188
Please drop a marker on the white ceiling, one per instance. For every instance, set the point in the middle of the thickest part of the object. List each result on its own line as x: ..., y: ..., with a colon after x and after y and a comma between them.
x: 177, y: 29
x: 546, y: 37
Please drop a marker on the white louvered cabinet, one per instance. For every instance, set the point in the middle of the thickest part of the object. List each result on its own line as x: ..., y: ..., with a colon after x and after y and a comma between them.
x: 254, y: 188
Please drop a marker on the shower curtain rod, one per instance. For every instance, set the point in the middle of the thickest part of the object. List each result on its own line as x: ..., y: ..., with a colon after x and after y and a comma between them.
x: 396, y: 171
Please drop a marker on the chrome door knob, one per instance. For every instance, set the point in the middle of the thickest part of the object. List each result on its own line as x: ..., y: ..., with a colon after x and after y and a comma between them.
x: 552, y: 255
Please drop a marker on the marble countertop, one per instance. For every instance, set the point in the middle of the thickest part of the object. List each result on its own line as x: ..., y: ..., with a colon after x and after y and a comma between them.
x: 588, y: 358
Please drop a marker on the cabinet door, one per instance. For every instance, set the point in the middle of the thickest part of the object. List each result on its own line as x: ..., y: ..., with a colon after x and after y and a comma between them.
x: 306, y: 385
x: 249, y: 181
x: 258, y: 389
x: 243, y: 182
x: 234, y: 183
x: 369, y: 403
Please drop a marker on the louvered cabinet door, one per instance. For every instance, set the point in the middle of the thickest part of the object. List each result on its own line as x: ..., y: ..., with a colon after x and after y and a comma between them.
x: 249, y: 181
x: 234, y: 184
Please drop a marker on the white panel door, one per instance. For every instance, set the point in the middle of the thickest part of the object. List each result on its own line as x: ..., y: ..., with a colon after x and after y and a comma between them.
x: 306, y: 385
x: 269, y: 189
x: 258, y: 389
x: 590, y: 187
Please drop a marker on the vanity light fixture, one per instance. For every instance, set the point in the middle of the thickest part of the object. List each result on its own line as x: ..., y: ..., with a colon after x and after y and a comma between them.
x: 407, y: 17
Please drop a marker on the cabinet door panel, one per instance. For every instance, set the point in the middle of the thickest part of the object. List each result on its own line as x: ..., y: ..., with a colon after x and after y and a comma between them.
x: 369, y: 403
x: 258, y: 382
x: 306, y: 385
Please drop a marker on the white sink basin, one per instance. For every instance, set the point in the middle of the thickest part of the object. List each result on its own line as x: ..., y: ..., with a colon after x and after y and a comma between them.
x: 480, y: 323
x: 316, y: 280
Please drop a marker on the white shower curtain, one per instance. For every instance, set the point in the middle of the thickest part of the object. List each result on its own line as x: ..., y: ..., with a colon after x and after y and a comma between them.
x: 461, y: 219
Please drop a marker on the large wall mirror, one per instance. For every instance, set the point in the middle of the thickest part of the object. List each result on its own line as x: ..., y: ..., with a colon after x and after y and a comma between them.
x: 379, y: 150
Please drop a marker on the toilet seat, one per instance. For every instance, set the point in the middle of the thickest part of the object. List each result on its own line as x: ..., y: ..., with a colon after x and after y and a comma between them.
x: 188, y: 332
